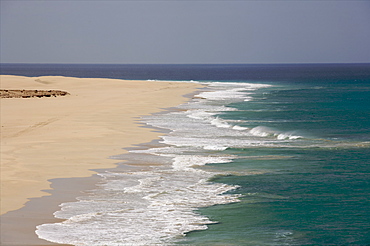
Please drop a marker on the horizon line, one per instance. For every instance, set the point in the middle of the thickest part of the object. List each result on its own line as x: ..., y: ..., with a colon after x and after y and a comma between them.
x: 284, y: 63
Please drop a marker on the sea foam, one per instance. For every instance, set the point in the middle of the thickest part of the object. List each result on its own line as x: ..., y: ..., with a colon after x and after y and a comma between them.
x: 157, y: 206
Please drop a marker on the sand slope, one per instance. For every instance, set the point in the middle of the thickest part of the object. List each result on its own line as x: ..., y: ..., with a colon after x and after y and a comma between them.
x: 66, y: 136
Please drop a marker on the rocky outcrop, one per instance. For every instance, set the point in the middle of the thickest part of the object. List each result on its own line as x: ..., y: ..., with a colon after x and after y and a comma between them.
x: 5, y: 93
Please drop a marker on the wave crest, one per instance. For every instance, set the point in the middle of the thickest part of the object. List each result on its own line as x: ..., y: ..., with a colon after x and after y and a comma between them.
x: 263, y: 131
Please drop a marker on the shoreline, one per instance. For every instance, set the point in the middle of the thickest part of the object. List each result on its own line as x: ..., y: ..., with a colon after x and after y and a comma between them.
x: 51, y: 140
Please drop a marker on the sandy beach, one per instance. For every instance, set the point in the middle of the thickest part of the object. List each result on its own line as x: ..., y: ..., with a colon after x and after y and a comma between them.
x: 66, y: 136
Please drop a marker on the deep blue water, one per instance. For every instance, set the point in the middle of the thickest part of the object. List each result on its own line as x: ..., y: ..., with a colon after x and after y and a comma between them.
x: 295, y: 73
x: 294, y: 152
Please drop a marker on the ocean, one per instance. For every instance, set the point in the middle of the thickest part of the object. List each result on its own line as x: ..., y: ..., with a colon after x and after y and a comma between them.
x: 260, y: 155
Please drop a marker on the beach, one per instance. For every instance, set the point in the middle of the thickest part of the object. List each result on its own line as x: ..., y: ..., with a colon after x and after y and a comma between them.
x: 68, y: 136
x: 273, y: 160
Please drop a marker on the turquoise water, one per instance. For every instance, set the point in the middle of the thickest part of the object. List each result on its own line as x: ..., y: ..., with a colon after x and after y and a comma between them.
x: 262, y: 155
x: 314, y: 190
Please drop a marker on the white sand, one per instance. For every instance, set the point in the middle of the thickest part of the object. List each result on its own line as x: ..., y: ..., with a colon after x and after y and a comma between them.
x: 61, y: 137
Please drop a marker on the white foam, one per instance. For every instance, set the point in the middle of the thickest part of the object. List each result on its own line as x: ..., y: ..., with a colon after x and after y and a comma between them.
x: 157, y: 206
x: 185, y: 161
x: 220, y: 123
x: 215, y: 147
x: 200, y: 114
x: 223, y: 95
x: 288, y: 135
x: 240, y: 128
x: 229, y: 91
x: 262, y: 131
x: 245, y: 86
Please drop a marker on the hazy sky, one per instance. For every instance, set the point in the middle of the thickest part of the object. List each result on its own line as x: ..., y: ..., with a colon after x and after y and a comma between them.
x: 72, y: 31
